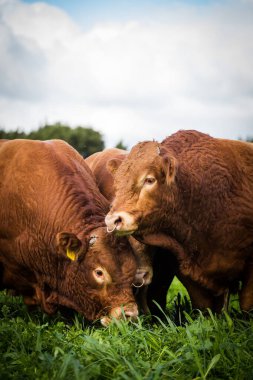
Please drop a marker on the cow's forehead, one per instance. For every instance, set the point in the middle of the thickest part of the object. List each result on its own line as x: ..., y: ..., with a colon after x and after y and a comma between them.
x: 108, y: 248
x: 121, y: 266
x: 140, y: 160
x: 144, y: 150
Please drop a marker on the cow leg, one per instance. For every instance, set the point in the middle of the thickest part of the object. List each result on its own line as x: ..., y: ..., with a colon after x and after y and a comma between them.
x: 202, y: 298
x: 246, y: 293
x: 164, y: 269
x: 220, y: 302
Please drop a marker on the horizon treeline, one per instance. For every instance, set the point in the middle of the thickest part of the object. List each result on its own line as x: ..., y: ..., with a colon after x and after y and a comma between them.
x: 85, y: 140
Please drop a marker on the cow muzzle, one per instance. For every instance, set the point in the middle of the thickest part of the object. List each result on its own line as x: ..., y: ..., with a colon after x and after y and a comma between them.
x: 129, y: 311
x: 121, y: 223
x: 143, y: 276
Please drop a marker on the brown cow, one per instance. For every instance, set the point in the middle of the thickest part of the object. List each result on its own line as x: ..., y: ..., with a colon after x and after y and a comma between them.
x: 192, y: 194
x: 54, y: 247
x: 164, y: 265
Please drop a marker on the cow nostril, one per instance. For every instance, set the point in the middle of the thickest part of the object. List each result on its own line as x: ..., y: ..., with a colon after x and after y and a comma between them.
x: 118, y: 220
x: 145, y: 275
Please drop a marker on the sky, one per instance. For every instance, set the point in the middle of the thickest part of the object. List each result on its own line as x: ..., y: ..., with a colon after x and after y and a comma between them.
x: 133, y: 70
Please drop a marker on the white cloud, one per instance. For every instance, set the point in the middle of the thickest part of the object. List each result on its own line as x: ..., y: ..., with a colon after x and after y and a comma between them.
x: 187, y: 68
x: 44, y: 25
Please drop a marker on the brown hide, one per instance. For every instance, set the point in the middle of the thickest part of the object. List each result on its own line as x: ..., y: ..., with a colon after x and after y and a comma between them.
x: 149, y: 259
x: 192, y: 194
x: 54, y: 247
x: 97, y: 163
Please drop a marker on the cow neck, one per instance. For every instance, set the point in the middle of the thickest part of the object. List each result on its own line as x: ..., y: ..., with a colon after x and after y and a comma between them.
x: 78, y: 215
x: 85, y: 209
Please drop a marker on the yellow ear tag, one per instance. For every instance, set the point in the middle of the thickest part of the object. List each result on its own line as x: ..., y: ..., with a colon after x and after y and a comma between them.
x: 71, y: 255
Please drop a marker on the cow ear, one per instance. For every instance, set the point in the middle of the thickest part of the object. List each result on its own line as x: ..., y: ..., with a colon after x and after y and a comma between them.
x: 69, y: 245
x: 169, y: 165
x: 113, y: 165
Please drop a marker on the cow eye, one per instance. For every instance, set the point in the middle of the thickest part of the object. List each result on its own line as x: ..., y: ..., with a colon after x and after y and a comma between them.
x: 149, y: 180
x: 99, y: 273
x: 99, y: 276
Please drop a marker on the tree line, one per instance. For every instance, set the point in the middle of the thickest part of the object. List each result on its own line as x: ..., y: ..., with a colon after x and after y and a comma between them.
x: 84, y: 139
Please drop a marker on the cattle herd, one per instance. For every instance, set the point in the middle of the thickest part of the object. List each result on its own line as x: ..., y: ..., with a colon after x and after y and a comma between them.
x: 106, y: 235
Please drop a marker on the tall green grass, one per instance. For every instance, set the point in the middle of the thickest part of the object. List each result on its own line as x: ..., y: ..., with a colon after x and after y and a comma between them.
x: 34, y: 346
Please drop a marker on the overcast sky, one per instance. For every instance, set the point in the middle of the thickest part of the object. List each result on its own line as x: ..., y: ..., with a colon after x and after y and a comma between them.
x: 132, y: 69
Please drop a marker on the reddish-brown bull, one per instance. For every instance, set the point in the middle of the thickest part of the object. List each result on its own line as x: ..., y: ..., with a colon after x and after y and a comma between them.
x: 54, y: 248
x: 192, y: 194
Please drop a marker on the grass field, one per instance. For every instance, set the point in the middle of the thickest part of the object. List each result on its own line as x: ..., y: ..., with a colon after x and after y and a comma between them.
x: 180, y: 346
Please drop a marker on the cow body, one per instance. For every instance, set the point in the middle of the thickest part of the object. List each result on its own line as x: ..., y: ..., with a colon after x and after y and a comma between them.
x: 54, y: 248
x: 192, y: 194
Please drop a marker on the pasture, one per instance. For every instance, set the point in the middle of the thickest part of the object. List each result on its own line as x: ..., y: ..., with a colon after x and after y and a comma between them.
x: 182, y: 345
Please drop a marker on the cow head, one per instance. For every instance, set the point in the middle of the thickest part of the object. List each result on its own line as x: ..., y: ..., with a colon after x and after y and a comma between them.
x: 98, y: 276
x: 143, y: 185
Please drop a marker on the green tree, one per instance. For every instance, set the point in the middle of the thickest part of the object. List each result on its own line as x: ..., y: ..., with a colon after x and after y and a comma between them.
x: 12, y: 134
x: 84, y: 139
x: 121, y: 145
